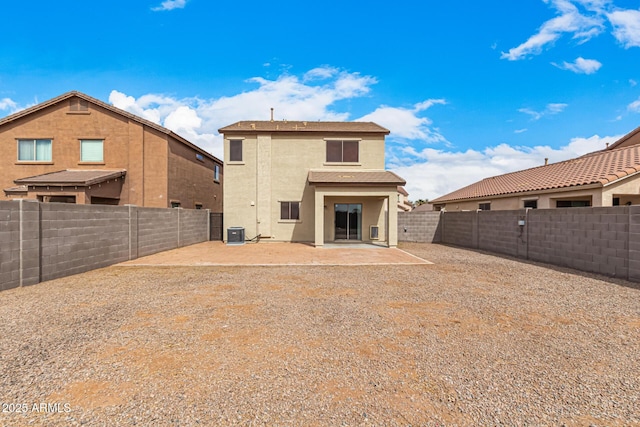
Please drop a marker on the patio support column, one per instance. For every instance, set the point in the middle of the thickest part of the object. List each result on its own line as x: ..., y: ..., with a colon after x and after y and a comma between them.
x: 319, y: 218
x: 392, y: 216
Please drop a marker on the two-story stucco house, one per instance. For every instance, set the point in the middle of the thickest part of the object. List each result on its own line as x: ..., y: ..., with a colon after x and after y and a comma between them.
x: 78, y: 149
x: 316, y: 182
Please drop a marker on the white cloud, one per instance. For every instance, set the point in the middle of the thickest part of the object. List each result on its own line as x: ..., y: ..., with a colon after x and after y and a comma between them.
x: 520, y: 130
x: 626, y: 26
x: 571, y: 20
x: 580, y: 66
x: 8, y: 104
x: 550, y: 109
x: 292, y: 98
x: 434, y: 173
x: 634, y: 106
x: 170, y: 5
x: 405, y: 123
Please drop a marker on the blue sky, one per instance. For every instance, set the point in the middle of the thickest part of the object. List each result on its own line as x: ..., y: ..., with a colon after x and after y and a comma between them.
x: 468, y: 89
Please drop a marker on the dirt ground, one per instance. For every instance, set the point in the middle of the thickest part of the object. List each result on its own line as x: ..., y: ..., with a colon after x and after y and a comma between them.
x: 472, y: 339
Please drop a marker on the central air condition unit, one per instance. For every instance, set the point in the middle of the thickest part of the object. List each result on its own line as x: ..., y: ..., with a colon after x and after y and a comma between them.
x: 374, y: 231
x: 235, y: 236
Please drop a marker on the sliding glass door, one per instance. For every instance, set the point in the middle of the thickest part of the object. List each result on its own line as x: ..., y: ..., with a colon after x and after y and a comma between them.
x: 348, y: 221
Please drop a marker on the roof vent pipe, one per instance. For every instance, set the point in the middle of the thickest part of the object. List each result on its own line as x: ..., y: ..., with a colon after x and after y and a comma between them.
x: 546, y: 161
x: 271, y: 113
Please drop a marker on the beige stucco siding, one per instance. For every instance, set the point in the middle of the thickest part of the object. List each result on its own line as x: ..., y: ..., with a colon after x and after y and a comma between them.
x: 545, y: 200
x: 274, y: 169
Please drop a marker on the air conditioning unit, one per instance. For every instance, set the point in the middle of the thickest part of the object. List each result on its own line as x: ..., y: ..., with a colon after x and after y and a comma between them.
x: 374, y: 232
x: 235, y: 236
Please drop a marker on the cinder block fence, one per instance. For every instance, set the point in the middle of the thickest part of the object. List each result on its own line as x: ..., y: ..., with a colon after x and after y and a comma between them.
x: 44, y: 241
x: 598, y: 240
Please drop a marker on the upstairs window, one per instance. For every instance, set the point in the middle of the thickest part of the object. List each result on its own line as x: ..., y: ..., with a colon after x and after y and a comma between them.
x: 91, y: 150
x: 34, y: 150
x: 235, y: 150
x: 341, y: 151
x: 216, y: 173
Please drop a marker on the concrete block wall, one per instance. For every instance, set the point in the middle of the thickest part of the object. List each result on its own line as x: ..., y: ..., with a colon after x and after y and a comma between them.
x: 634, y: 244
x: 498, y: 231
x: 44, y: 241
x: 460, y: 229
x: 9, y: 246
x: 588, y: 239
x: 157, y: 230
x: 604, y: 240
x: 193, y: 225
x: 79, y: 238
x: 421, y: 226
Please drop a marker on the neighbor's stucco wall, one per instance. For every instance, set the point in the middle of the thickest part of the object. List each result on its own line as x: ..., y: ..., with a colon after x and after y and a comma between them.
x: 142, y: 151
x: 191, y: 180
x: 545, y: 200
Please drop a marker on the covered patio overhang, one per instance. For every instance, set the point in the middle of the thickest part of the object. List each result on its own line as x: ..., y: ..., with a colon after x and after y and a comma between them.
x: 355, y: 206
x: 71, y: 186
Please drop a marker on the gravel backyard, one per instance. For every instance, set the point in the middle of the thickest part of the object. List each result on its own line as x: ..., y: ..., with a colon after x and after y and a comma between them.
x: 472, y: 339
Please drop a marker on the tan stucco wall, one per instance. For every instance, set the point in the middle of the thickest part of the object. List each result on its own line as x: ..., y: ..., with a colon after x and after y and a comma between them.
x: 373, y: 213
x: 545, y: 200
x: 275, y: 169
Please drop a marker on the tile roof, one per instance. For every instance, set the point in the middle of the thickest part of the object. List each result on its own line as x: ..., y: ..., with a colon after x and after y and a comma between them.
x: 304, y: 126
x: 71, y: 94
x: 80, y: 177
x: 370, y: 177
x: 599, y: 168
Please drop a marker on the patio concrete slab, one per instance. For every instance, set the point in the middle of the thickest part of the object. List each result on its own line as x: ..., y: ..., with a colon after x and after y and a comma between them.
x: 272, y: 254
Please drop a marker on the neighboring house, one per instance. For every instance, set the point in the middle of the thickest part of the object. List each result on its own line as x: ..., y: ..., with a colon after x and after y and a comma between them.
x: 309, y: 182
x: 404, y: 205
x: 77, y: 149
x: 609, y: 177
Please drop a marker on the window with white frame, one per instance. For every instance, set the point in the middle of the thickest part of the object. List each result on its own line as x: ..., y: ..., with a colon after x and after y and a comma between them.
x: 34, y: 150
x: 216, y: 173
x: 92, y: 150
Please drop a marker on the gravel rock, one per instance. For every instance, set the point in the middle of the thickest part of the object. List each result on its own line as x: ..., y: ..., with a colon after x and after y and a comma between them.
x: 473, y: 339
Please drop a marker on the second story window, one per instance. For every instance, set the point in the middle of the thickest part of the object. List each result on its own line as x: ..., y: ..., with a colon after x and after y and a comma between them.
x: 216, y: 173
x: 91, y: 150
x: 34, y: 150
x: 341, y: 151
x: 235, y: 150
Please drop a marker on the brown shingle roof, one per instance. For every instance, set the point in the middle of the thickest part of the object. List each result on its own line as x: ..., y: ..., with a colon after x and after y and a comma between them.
x: 372, y: 177
x: 302, y: 126
x: 599, y: 168
x: 68, y: 95
x: 79, y: 177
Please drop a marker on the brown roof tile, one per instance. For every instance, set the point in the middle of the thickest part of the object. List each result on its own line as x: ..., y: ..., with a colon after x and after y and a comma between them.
x: 372, y: 177
x: 80, y: 177
x: 304, y: 126
x: 599, y: 168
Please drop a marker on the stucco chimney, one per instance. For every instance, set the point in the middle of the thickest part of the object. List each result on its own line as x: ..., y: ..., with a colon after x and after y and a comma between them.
x: 546, y: 161
x: 271, y: 113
